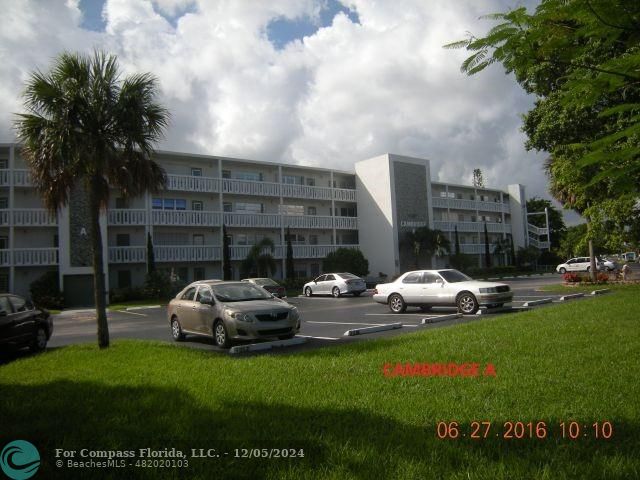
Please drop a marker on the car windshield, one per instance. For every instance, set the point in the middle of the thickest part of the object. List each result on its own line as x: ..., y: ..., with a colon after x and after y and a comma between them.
x: 239, y: 292
x: 265, y: 281
x: 453, y: 276
x: 347, y: 275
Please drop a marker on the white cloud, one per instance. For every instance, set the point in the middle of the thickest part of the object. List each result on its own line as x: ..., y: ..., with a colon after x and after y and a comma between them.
x: 346, y: 93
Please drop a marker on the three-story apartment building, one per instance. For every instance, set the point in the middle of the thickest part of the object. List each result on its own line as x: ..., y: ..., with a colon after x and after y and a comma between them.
x: 323, y: 209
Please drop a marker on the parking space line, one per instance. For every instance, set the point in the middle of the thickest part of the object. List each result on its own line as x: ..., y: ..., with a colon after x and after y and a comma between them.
x: 318, y: 338
x: 134, y: 313
x: 347, y: 323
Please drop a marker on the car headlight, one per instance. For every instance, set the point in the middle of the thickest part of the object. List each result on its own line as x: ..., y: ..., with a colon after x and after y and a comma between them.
x: 241, y: 316
x: 489, y: 290
x: 294, y: 314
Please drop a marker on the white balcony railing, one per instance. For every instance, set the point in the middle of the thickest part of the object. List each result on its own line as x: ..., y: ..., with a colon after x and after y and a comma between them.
x: 189, y: 183
x: 475, y: 248
x: 5, y: 258
x: 252, y: 220
x: 461, y: 204
x: 194, y: 218
x: 128, y: 254
x: 21, y: 178
x: 127, y: 216
x: 187, y: 253
x: 344, y: 194
x: 471, y: 226
x: 537, y: 230
x: 33, y: 217
x: 538, y: 244
x: 307, y: 221
x: 4, y: 217
x: 247, y: 187
x: 5, y: 177
x: 35, y: 256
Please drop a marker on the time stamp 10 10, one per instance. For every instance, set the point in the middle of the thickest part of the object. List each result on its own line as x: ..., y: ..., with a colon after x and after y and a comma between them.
x: 518, y: 430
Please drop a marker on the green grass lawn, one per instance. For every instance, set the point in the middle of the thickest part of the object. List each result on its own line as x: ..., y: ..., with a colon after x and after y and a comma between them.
x: 574, y: 362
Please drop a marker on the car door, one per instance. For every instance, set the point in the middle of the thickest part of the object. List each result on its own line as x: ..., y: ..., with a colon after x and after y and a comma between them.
x: 432, y: 290
x: 411, y: 288
x: 8, y: 333
x: 328, y: 283
x: 24, y: 322
x: 572, y: 265
x: 185, y: 309
x: 317, y: 286
x: 203, y: 312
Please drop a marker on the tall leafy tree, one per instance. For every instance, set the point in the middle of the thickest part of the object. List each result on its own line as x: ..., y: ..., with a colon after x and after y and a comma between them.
x: 259, y: 260
x: 227, y: 272
x: 424, y: 243
x: 151, y: 259
x: 86, y: 126
x: 346, y: 260
x: 457, y: 240
x: 289, y: 267
x: 487, y: 249
x: 579, y: 58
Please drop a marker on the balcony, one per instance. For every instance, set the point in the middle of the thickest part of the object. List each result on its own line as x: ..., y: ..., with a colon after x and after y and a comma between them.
x: 127, y: 216
x: 4, y: 177
x: 252, y: 220
x: 35, y: 256
x: 5, y: 258
x: 537, y: 230
x: 247, y: 187
x: 33, y: 217
x: 538, y: 243
x: 472, y: 227
x: 265, y: 220
x: 22, y: 178
x: 189, y: 183
x: 187, y: 218
x: 461, y: 204
x: 210, y: 253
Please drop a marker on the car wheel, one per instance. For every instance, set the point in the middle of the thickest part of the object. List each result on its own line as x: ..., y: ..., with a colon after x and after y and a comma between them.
x: 176, y: 330
x: 335, y: 292
x: 425, y: 308
x: 307, y: 292
x: 467, y: 303
x: 39, y: 342
x: 396, y: 303
x: 356, y: 294
x: 220, y: 335
x: 563, y: 271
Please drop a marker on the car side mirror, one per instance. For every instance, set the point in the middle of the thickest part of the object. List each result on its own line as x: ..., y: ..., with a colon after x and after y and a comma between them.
x: 440, y: 281
x: 207, y: 301
x: 315, y: 281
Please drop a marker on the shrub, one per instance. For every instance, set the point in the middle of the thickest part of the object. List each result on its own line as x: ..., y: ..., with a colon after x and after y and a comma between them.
x: 45, y: 291
x: 126, y: 294
x: 158, y: 285
x: 602, y: 277
x: 571, y: 277
x: 346, y: 260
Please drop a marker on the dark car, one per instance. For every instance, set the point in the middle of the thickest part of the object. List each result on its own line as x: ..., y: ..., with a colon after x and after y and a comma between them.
x: 22, y: 324
x: 269, y: 285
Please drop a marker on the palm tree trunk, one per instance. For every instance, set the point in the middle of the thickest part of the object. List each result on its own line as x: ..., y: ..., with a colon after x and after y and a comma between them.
x: 98, y: 269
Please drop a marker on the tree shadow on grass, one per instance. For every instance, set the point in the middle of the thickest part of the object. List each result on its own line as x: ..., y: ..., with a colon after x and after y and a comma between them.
x: 337, y: 443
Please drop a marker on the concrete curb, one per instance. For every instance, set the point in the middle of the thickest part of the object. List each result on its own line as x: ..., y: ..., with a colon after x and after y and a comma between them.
x: 142, y: 307
x: 537, y: 302
x: 569, y: 297
x: 380, y: 328
x: 451, y: 316
x: 487, y: 311
x: 254, y: 347
x: 601, y: 291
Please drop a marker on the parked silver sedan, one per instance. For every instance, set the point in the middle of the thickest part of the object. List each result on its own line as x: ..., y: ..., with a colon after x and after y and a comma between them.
x: 231, y: 311
x: 428, y: 288
x: 335, y: 284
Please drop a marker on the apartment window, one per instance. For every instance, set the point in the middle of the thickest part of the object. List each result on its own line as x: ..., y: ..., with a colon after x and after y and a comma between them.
x: 124, y: 278
x: 4, y: 283
x: 169, y: 204
x: 56, y: 241
x: 198, y: 274
x: 311, y: 182
x: 226, y: 173
x: 4, y: 163
x: 300, y: 272
x: 183, y: 273
x: 312, y: 211
x: 196, y: 172
x: 227, y: 207
x: 196, y: 205
x: 4, y: 243
x: 123, y: 240
x: 348, y: 212
x: 314, y: 269
x: 241, y: 239
x: 250, y: 176
x: 447, y: 195
x: 249, y: 207
x: 156, y: 204
x: 313, y: 239
x: 4, y: 202
x: 122, y: 202
x: 473, y: 218
x: 297, y: 239
x: 291, y: 209
x: 198, y: 239
x: 293, y: 180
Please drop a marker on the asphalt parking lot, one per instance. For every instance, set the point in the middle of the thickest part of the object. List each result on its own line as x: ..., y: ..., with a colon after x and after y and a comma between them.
x: 325, y: 320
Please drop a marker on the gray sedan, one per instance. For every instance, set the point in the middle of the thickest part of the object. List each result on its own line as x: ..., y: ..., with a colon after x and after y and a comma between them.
x: 231, y: 311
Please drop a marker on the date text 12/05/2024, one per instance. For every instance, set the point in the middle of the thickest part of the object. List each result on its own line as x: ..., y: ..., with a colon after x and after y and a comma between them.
x: 409, y: 369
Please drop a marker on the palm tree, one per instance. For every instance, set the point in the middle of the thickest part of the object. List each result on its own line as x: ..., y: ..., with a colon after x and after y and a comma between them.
x: 424, y: 242
x: 260, y: 260
x: 85, y: 127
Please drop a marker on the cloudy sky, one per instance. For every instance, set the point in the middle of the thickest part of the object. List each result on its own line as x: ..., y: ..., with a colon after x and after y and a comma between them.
x: 316, y: 82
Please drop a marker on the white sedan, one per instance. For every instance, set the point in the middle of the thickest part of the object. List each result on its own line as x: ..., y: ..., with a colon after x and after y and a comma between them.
x: 428, y: 288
